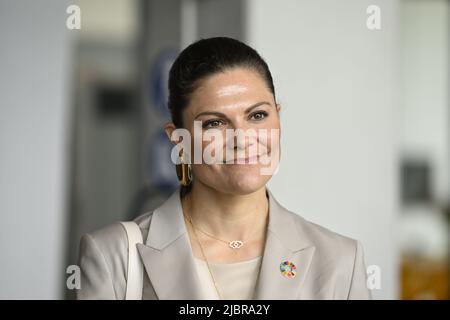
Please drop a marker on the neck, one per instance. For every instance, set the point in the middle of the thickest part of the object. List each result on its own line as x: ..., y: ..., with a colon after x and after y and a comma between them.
x: 227, y: 216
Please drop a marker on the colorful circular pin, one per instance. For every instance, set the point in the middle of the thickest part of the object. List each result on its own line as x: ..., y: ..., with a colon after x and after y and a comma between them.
x: 288, y: 269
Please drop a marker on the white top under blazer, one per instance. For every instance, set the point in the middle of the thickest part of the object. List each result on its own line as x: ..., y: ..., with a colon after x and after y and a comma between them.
x: 236, y: 281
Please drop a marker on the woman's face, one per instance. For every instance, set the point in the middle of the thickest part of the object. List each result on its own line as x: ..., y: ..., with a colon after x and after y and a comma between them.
x: 225, y: 103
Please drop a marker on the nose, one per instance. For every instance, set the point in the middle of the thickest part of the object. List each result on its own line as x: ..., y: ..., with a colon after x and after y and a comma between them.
x: 241, y: 139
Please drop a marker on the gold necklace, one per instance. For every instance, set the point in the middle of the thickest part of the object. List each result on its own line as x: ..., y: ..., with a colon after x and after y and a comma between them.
x: 233, y: 244
x: 207, y: 262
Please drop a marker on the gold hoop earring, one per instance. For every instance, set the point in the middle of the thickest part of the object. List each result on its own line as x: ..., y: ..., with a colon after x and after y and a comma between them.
x: 184, y: 172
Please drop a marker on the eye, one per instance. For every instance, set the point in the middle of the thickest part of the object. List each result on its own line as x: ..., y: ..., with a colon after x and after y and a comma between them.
x: 259, y: 115
x: 212, y: 123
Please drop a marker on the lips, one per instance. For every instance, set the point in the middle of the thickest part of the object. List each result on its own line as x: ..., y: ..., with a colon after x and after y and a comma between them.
x: 248, y: 160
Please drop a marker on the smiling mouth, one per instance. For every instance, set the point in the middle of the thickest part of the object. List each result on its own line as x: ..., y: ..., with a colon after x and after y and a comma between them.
x: 248, y: 160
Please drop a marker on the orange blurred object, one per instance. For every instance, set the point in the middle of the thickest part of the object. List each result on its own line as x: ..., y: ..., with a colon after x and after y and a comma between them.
x: 425, y: 279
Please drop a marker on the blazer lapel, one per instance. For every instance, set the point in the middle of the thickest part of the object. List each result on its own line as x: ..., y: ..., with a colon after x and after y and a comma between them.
x: 284, y: 241
x: 167, y: 254
x: 170, y: 265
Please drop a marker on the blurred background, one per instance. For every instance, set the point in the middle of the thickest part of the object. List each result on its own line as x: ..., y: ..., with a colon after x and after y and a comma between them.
x: 365, y: 117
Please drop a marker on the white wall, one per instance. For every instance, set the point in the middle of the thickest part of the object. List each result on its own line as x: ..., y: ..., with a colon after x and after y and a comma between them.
x: 425, y: 79
x: 33, y: 137
x: 337, y: 82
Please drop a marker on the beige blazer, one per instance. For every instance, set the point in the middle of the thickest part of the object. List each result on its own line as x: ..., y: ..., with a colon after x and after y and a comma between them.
x: 329, y: 265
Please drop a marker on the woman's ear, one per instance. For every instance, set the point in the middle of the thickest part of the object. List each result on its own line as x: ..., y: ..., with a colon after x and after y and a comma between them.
x: 169, y: 127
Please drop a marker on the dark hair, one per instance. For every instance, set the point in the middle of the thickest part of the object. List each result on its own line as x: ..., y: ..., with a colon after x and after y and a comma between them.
x: 204, y: 58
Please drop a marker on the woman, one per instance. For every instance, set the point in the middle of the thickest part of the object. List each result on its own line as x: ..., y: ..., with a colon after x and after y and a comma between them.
x: 222, y: 234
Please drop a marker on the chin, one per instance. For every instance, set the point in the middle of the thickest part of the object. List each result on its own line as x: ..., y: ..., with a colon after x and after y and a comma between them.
x: 237, y: 180
x: 247, y: 184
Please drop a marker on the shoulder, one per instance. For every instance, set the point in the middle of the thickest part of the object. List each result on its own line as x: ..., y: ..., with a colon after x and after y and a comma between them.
x: 103, y: 260
x: 113, y: 237
x: 337, y: 260
x: 330, y: 246
x: 321, y: 235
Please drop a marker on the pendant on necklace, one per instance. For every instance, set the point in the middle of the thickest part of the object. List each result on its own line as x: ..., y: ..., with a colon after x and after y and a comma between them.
x: 235, y: 244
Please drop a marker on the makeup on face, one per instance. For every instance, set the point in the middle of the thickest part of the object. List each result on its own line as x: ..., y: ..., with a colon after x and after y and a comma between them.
x: 231, y: 90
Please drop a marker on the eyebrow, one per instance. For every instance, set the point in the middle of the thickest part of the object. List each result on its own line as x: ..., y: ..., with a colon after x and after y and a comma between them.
x: 221, y: 114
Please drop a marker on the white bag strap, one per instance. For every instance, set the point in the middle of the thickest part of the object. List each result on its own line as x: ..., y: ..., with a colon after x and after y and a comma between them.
x: 135, y: 268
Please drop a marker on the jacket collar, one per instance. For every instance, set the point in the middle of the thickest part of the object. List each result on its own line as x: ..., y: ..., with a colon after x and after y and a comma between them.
x: 170, y: 265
